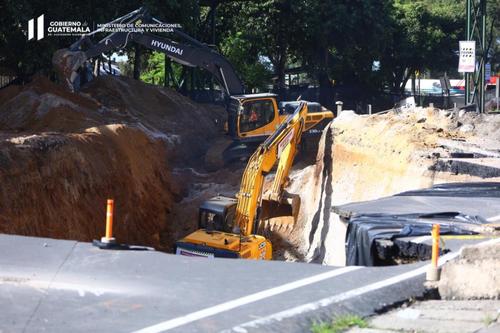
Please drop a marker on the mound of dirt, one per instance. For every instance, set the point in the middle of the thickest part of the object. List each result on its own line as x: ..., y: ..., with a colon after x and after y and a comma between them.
x: 63, y: 154
x: 189, y: 127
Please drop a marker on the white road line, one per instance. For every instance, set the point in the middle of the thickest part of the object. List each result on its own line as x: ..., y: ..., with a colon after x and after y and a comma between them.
x: 345, y: 295
x: 216, y: 309
x: 493, y: 218
x: 336, y: 298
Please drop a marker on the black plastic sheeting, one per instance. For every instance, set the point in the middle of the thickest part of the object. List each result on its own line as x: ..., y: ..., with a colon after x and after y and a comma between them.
x: 476, y: 190
x: 363, y: 230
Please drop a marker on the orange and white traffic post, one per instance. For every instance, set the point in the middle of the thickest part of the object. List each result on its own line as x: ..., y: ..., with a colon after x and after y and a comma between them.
x: 108, y: 238
x: 433, y: 270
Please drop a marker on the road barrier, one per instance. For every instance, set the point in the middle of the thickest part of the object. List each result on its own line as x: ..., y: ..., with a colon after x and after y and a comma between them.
x: 433, y: 271
x: 108, y: 238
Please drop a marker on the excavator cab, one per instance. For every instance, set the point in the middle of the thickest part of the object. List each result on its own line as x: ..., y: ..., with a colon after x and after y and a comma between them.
x: 217, y: 214
x: 252, y: 117
x: 218, y: 237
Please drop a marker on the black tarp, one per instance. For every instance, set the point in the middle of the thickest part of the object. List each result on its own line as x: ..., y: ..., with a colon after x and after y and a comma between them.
x: 476, y: 190
x: 411, y: 214
x: 363, y: 230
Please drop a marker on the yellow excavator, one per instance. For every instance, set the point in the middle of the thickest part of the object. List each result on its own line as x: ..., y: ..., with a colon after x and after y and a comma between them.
x: 229, y: 226
x: 251, y: 118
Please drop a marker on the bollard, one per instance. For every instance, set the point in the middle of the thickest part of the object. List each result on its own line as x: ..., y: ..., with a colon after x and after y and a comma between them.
x: 369, y: 109
x: 339, y: 107
x: 497, y: 92
x: 431, y: 105
x: 108, y: 238
x: 433, y: 270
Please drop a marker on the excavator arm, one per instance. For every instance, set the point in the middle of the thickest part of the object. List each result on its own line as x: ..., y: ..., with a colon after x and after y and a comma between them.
x: 184, y: 50
x: 280, y: 147
x: 243, y: 242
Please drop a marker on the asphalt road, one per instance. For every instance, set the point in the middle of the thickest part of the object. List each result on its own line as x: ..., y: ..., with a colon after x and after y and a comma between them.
x: 51, y: 285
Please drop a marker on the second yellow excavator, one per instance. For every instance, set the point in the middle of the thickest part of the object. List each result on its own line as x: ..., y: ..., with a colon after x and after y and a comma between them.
x: 228, y: 226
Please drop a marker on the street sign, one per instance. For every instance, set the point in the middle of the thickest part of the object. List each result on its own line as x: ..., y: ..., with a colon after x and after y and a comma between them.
x: 487, y: 72
x: 467, y: 60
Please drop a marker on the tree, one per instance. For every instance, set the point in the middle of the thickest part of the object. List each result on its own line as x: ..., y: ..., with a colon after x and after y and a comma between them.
x: 339, y: 40
x: 423, y: 35
x: 27, y: 57
x: 260, y: 31
x: 493, y: 33
x: 253, y: 71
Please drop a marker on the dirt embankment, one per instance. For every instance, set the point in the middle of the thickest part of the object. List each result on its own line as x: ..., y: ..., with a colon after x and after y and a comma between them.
x: 368, y: 157
x: 63, y: 154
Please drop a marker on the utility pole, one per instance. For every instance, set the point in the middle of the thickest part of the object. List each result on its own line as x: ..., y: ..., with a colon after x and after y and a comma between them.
x: 476, y: 31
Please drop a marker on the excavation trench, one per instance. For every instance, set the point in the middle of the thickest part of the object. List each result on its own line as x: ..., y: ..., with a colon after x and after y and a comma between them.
x: 363, y: 160
x: 63, y: 154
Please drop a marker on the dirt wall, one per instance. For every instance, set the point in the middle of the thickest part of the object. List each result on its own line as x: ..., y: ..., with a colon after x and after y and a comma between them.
x: 368, y: 157
x: 63, y: 154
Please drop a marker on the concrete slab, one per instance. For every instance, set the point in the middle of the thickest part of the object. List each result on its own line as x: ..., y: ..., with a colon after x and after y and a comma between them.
x: 425, y: 325
x: 494, y: 328
x: 368, y: 330
x: 473, y: 275
x: 440, y: 316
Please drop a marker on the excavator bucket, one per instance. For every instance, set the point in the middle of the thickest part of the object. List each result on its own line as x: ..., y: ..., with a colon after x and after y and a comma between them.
x: 280, y: 216
x: 66, y: 64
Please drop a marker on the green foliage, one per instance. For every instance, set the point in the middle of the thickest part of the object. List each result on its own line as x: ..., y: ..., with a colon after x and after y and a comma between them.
x: 268, y: 29
x: 493, y: 29
x: 25, y: 57
x: 423, y: 34
x: 340, y: 324
x: 155, y: 70
x: 332, y: 40
x: 254, y: 72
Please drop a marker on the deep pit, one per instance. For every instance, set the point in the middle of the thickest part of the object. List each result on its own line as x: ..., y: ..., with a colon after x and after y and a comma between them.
x: 62, y: 154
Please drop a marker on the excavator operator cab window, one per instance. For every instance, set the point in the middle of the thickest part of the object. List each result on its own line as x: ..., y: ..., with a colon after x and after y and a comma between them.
x: 213, y: 221
x: 255, y: 114
x: 210, y: 221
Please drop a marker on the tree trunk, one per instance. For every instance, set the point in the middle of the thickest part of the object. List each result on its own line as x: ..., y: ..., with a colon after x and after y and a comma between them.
x: 166, y: 80
x: 404, y: 81
x: 325, y: 90
x: 326, y: 97
x: 413, y: 84
x: 137, y: 62
x: 280, y: 72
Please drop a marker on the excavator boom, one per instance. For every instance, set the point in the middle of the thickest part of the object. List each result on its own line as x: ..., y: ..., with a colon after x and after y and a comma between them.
x: 280, y: 148
x: 184, y: 50
x: 243, y: 214
x: 245, y: 132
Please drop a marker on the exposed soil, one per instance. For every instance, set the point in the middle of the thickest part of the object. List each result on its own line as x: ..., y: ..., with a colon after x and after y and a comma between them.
x: 62, y: 154
x: 368, y: 157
